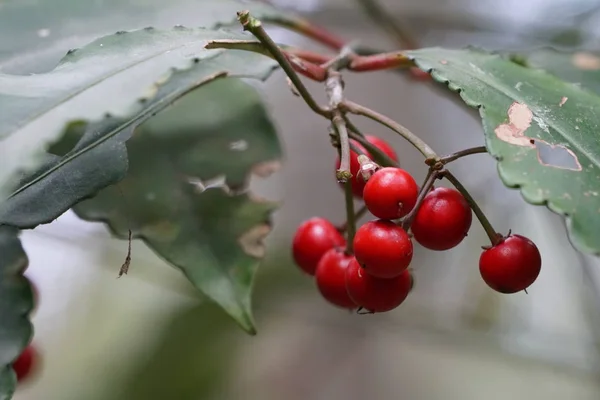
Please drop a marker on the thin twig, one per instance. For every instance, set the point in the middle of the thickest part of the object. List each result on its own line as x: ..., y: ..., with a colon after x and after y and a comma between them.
x: 343, y: 173
x: 423, y: 147
x: 494, y: 236
x: 383, y: 19
x: 432, y: 175
x: 350, y: 217
x: 455, y: 156
x: 357, y: 215
x: 254, y: 26
x: 308, y: 29
x: 378, y: 156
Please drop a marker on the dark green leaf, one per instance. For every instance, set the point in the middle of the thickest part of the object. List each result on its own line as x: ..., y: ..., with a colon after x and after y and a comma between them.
x: 16, y: 302
x: 212, y: 236
x: 99, y: 158
x: 544, y: 132
x: 110, y: 75
x: 582, y: 68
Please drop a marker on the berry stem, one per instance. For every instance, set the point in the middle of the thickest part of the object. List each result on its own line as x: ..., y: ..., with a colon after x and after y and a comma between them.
x: 350, y: 217
x: 494, y: 236
x: 357, y: 215
x: 432, y: 175
x: 423, y: 147
x: 254, y: 26
x: 343, y: 173
x: 383, y: 19
x: 466, y: 152
x: 378, y: 156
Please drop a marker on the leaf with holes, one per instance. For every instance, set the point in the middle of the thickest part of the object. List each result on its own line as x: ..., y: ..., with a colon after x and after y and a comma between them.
x: 110, y: 75
x: 544, y: 132
x: 16, y: 302
x: 213, y: 236
x: 580, y: 68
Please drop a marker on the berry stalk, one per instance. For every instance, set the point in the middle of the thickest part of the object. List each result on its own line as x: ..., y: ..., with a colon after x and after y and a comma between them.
x: 378, y: 156
x: 350, y: 217
x: 466, y: 152
x: 493, y: 235
x: 357, y: 215
x: 255, y: 27
x: 432, y: 175
x: 413, y: 139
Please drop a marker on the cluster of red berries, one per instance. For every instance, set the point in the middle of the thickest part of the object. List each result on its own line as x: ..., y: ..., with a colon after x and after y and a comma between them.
x: 376, y: 276
x: 28, y: 360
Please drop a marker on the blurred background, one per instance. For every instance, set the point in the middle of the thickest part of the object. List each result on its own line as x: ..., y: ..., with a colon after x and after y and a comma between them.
x: 149, y: 335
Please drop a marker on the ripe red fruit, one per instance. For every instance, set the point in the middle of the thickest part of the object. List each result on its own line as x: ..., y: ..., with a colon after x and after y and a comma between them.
x: 314, y: 238
x: 443, y: 219
x: 358, y: 184
x: 512, y: 265
x: 25, y: 363
x: 331, y: 278
x: 376, y: 294
x: 390, y: 193
x: 383, y: 248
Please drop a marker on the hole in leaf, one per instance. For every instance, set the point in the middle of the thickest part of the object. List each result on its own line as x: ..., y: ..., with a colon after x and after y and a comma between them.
x: 557, y: 156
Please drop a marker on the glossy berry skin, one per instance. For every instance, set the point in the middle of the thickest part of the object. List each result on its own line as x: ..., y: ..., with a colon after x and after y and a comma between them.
x: 512, y: 265
x: 376, y: 294
x: 314, y: 238
x: 443, y: 220
x: 358, y: 183
x: 25, y: 363
x: 390, y: 193
x: 383, y: 248
x: 330, y: 277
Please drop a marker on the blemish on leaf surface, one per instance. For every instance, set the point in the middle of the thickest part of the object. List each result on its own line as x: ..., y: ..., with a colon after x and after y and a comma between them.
x: 252, y: 240
x: 586, y: 61
x: 550, y: 155
x: 563, y: 100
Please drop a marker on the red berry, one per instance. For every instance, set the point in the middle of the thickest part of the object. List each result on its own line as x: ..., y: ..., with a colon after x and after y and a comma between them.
x: 376, y: 294
x: 390, y: 193
x: 383, y: 248
x: 358, y: 184
x: 512, y: 265
x: 443, y: 219
x: 25, y: 363
x: 331, y: 278
x: 314, y: 238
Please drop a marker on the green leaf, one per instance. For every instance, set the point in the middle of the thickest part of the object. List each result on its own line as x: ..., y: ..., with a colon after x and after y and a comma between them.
x: 543, y: 131
x: 110, y: 75
x: 99, y: 157
x: 213, y: 236
x: 582, y: 68
x: 16, y: 302
x: 33, y: 33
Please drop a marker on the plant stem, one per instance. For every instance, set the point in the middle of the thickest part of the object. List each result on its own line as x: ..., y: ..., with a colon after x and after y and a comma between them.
x: 357, y: 215
x: 306, y: 28
x: 343, y: 173
x: 466, y: 152
x: 383, y: 19
x: 423, y: 147
x: 380, y: 61
x: 378, y: 156
x: 254, y: 26
x: 350, y: 217
x: 494, y: 236
x: 432, y: 175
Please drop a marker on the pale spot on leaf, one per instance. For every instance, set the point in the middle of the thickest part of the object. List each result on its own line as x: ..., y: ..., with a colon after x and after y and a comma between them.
x: 265, y: 169
x: 586, y: 61
x: 252, y: 240
x: 239, y: 145
x: 563, y: 100
x: 550, y: 155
